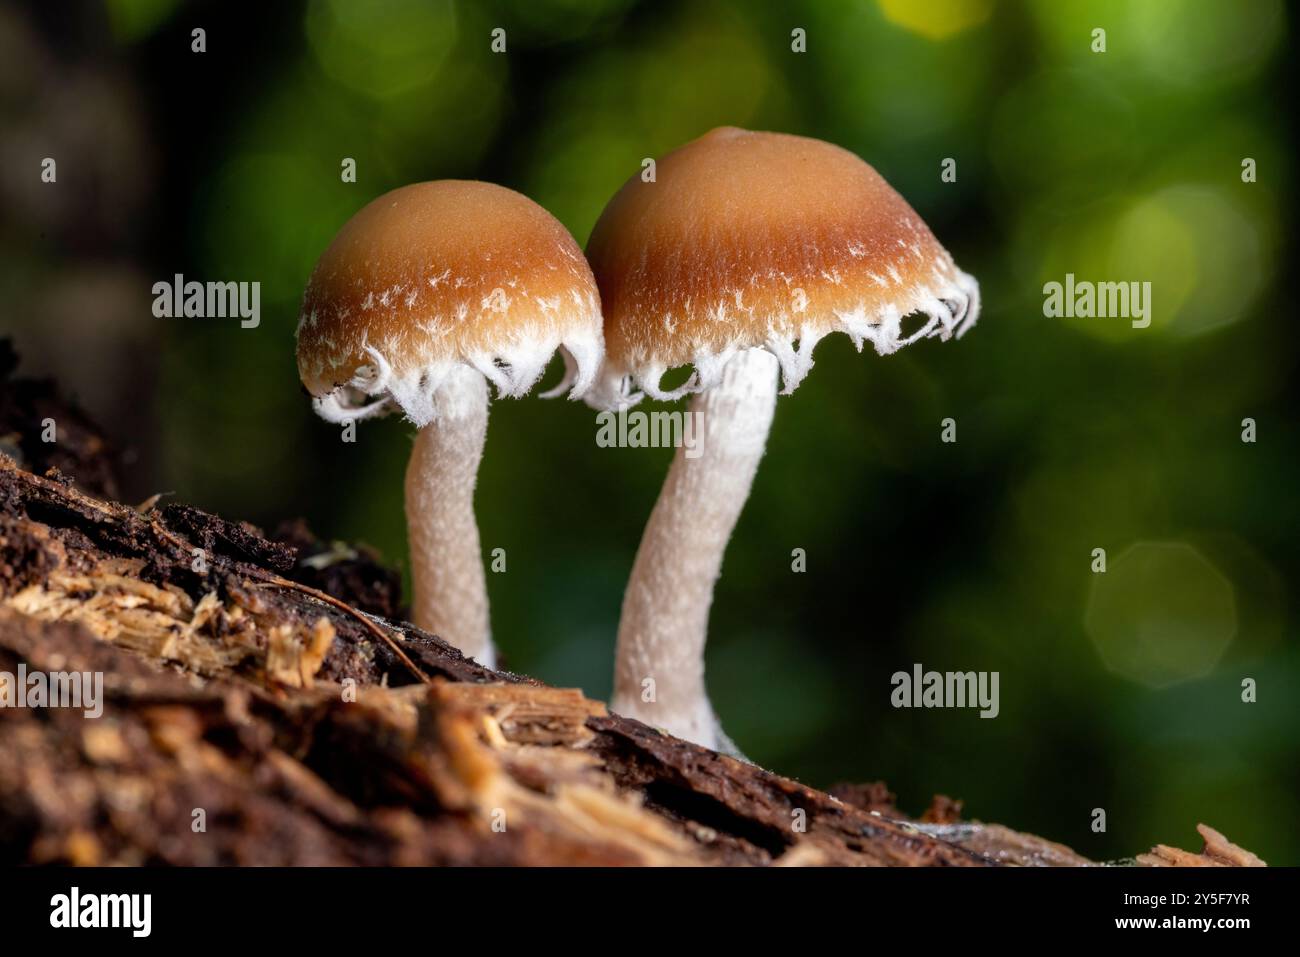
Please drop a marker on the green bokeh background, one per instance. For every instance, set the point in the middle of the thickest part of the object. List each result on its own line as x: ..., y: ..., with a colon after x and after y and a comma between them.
x: 1119, y: 691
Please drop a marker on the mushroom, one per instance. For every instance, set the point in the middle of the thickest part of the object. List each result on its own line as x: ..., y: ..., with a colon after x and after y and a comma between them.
x: 745, y: 252
x: 425, y: 296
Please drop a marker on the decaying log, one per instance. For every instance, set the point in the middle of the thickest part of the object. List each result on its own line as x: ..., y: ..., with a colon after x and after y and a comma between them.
x: 26, y: 408
x: 262, y: 705
x: 1217, y: 852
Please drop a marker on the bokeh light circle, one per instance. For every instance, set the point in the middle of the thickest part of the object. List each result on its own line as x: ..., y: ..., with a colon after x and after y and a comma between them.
x: 1161, y: 614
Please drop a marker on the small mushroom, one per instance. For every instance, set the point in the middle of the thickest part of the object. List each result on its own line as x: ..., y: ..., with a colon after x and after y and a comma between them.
x: 745, y: 252
x: 425, y: 296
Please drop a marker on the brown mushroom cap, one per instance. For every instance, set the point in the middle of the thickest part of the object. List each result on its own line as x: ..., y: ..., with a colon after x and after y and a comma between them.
x: 433, y: 275
x: 762, y: 240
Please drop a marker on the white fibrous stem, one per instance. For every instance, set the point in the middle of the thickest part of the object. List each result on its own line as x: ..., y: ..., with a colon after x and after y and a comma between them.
x: 659, y: 671
x: 450, y: 589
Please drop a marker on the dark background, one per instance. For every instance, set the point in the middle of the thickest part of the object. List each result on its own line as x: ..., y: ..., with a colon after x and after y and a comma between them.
x: 1118, y: 691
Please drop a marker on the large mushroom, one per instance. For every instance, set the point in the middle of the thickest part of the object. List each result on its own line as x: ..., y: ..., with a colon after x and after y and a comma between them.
x: 425, y: 296
x: 744, y: 252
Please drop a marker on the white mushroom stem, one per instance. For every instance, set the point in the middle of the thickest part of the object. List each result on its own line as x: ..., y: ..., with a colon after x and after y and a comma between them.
x: 659, y: 667
x: 450, y: 589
